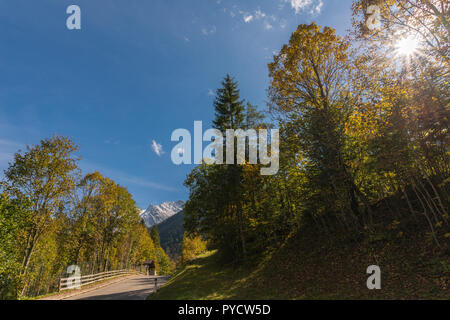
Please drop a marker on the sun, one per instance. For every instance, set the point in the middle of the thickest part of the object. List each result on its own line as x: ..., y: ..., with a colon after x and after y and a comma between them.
x: 407, y: 46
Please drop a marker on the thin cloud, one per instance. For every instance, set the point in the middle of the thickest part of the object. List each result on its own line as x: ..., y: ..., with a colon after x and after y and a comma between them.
x: 157, y: 148
x: 267, y: 25
x: 318, y: 7
x: 259, y: 14
x: 248, y: 18
x: 256, y: 15
x: 10, y: 143
x: 270, y: 21
x: 144, y: 183
x: 124, y: 178
x: 7, y: 150
x: 209, y: 31
x: 301, y: 5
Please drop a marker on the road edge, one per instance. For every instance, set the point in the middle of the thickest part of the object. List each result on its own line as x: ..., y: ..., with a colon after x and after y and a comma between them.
x: 71, y: 294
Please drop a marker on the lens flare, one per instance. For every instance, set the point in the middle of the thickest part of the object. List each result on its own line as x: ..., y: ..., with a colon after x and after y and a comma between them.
x: 407, y: 46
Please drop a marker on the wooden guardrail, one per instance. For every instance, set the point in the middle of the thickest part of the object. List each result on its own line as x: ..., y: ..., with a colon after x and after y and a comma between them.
x: 75, y: 282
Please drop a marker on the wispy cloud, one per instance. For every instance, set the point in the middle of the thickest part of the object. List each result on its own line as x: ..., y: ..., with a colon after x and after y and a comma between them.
x: 318, y: 8
x: 209, y: 31
x: 314, y: 6
x: 123, y: 178
x: 254, y: 16
x: 267, y: 25
x: 259, y: 14
x: 127, y: 179
x: 272, y: 20
x: 248, y: 18
x: 5, y: 158
x: 10, y: 143
x: 7, y: 150
x: 157, y: 148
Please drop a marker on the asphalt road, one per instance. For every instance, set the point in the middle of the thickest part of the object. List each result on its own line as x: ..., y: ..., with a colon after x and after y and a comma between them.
x: 133, y: 288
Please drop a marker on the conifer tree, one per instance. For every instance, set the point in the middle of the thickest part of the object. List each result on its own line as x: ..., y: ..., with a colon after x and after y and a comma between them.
x: 229, y: 109
x: 223, y: 204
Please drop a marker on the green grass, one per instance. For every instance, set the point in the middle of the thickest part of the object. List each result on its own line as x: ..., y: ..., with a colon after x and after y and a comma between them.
x: 206, y: 279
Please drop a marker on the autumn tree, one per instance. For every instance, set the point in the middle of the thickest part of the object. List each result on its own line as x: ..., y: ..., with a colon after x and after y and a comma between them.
x: 44, y: 175
x: 424, y: 22
x: 13, y: 217
x: 192, y: 246
x: 403, y: 122
x: 154, y: 233
x: 313, y: 86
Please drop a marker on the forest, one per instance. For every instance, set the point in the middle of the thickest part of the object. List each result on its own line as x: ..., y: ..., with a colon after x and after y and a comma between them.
x: 364, y: 163
x: 53, y: 216
x: 364, y: 149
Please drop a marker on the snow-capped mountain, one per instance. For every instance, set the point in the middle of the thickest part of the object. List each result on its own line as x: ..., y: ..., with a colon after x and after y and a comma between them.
x: 157, y: 214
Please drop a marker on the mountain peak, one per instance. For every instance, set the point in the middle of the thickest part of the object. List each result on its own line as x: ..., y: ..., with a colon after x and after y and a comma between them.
x: 156, y: 214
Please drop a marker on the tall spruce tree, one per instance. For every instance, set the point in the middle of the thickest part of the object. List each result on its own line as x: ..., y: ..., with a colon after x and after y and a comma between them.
x: 230, y: 114
x: 228, y: 106
x: 223, y: 204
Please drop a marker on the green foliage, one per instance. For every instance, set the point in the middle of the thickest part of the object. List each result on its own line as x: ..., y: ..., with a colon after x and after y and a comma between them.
x: 164, y: 264
x: 13, y: 217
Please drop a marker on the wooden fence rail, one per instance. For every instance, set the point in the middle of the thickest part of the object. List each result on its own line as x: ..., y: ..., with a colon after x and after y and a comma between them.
x: 77, y: 282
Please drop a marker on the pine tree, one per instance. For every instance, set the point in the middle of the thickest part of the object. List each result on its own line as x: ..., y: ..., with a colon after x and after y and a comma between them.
x: 228, y: 106
x: 223, y: 204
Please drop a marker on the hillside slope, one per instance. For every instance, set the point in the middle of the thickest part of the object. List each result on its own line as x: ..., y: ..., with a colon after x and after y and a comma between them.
x: 171, y: 234
x: 310, y: 266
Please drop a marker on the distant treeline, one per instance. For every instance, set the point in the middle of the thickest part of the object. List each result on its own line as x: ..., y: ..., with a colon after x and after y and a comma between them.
x: 53, y: 216
x: 171, y: 232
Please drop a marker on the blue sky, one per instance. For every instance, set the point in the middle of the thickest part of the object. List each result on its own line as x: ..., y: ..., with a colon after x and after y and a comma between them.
x: 136, y: 71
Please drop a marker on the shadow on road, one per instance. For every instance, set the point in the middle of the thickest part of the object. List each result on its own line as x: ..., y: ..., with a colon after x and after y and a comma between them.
x: 136, y: 288
x: 132, y: 295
